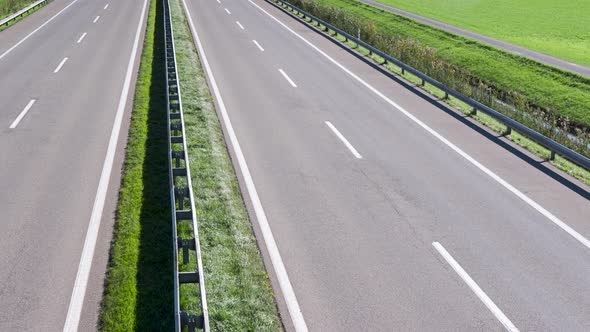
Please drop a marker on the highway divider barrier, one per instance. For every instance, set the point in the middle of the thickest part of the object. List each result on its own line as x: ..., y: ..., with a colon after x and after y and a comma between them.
x: 181, y: 196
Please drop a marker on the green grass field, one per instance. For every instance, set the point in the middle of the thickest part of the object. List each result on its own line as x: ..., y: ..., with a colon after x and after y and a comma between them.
x: 558, y: 28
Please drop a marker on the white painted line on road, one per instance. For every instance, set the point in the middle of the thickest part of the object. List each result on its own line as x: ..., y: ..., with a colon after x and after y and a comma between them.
x: 227, y: 10
x: 344, y: 140
x: 453, y: 147
x: 39, y: 28
x: 288, y: 78
x: 271, y: 245
x: 106, y: 6
x: 240, y: 25
x: 259, y: 47
x: 22, y: 114
x: 79, y: 291
x: 96, y: 19
x: 81, y: 37
x: 61, y: 64
x: 475, y: 288
x: 218, y: 1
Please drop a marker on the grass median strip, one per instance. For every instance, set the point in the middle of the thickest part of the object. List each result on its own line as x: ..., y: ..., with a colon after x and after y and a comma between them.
x: 238, y: 290
x: 139, y: 284
x: 138, y: 291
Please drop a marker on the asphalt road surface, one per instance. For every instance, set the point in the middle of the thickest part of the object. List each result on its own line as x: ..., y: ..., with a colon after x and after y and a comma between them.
x: 389, y: 212
x: 62, y: 75
x: 523, y: 51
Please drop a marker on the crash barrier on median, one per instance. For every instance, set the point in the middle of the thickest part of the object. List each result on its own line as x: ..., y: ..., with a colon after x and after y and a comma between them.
x: 511, y: 124
x: 22, y: 12
x: 181, y: 195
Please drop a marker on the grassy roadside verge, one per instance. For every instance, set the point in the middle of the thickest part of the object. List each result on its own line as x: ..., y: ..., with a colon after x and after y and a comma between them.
x: 541, y: 93
x: 561, y: 163
x: 138, y: 291
x: 9, y: 7
x: 239, y: 295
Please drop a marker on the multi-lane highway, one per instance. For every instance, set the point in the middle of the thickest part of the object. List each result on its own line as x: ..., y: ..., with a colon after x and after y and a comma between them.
x: 66, y: 79
x: 523, y: 51
x: 377, y: 208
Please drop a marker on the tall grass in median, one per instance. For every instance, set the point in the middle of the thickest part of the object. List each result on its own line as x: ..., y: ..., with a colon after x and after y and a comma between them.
x: 239, y: 295
x: 138, y: 293
x: 553, y: 102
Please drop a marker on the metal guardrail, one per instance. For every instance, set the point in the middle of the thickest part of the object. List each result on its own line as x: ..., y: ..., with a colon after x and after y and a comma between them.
x: 181, y: 192
x: 23, y: 11
x: 511, y: 124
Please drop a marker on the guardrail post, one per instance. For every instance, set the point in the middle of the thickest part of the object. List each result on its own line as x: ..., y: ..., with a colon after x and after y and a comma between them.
x: 508, y: 131
x: 186, y: 245
x: 552, y: 155
x: 191, y: 322
x: 473, y: 112
x: 181, y: 193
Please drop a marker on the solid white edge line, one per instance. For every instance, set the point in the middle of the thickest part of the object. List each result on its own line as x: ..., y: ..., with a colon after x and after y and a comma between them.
x: 453, y: 147
x: 33, y: 32
x: 259, y: 47
x: 61, y: 64
x: 22, y: 114
x: 96, y: 19
x: 271, y: 245
x: 81, y: 38
x: 106, y: 6
x: 475, y: 288
x: 227, y: 10
x: 344, y: 140
x: 79, y: 291
x: 240, y: 25
x: 287, y: 78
